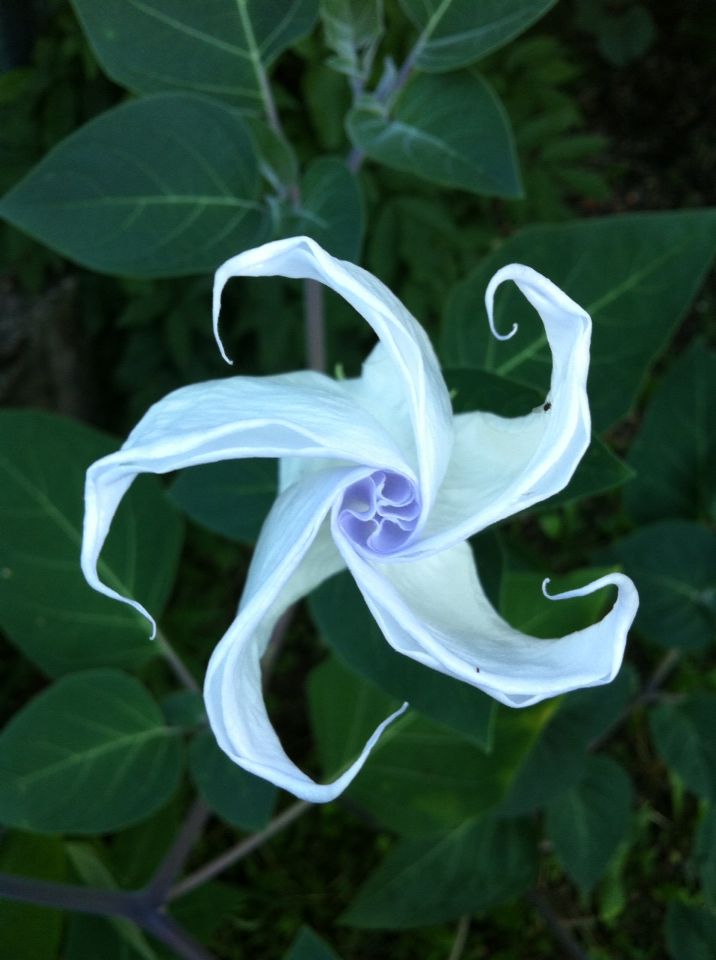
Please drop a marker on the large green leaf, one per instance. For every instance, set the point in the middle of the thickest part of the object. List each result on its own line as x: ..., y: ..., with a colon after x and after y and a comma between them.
x: 427, y: 881
x: 457, y: 32
x: 231, y: 497
x: 46, y: 607
x: 347, y: 626
x: 684, y: 736
x: 637, y: 275
x: 90, y: 754
x: 309, y: 946
x: 674, y: 453
x: 690, y: 932
x: 587, y: 823
x: 331, y: 209
x: 216, y: 47
x: 705, y: 855
x: 28, y: 932
x: 673, y: 564
x: 451, y: 130
x: 238, y: 797
x: 158, y: 187
x: 420, y: 778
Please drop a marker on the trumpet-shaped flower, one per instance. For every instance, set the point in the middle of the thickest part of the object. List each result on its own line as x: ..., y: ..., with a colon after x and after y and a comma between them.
x: 377, y: 475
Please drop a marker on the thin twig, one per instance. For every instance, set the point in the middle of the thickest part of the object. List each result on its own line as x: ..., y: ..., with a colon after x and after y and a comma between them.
x: 461, y: 934
x: 557, y: 928
x: 214, y: 867
x: 175, y: 858
x: 178, y: 667
x: 315, y: 325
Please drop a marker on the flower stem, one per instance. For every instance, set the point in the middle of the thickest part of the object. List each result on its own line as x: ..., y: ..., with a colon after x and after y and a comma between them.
x: 461, y: 934
x: 214, y: 867
x: 556, y: 927
x: 177, y: 854
x: 176, y: 664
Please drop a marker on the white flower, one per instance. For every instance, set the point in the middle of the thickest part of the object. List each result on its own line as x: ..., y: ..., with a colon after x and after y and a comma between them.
x: 377, y: 475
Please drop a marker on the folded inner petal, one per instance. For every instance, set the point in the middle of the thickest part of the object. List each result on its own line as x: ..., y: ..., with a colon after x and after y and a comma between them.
x: 434, y: 610
x: 294, y: 554
x: 412, y: 365
x: 500, y: 466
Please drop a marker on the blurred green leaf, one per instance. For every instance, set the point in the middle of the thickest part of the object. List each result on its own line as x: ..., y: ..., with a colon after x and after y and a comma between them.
x: 331, y: 209
x: 309, y: 946
x: 27, y: 932
x: 159, y: 187
x: 88, y: 755
x: 705, y: 855
x: 683, y: 734
x: 217, y: 47
x: 587, y: 823
x: 46, y: 607
x: 690, y: 932
x: 231, y: 498
x: 637, y: 275
x: 451, y: 130
x: 353, y: 29
x: 454, y: 33
x: 240, y: 798
x: 677, y: 478
x: 428, y: 881
x: 673, y: 565
x: 348, y: 627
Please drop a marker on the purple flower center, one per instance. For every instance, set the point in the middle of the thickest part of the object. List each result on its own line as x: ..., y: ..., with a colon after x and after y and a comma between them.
x: 380, y: 512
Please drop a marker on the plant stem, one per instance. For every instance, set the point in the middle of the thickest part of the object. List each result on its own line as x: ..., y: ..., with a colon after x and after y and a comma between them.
x: 68, y: 896
x: 557, y: 928
x: 461, y: 934
x: 214, y: 867
x: 173, y: 935
x: 178, y: 852
x: 315, y: 328
x: 176, y: 664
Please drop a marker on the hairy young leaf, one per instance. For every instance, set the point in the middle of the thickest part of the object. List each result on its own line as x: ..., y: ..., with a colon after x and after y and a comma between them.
x: 636, y: 275
x: 352, y: 28
x: 216, y: 47
x: 88, y: 755
x: 159, y: 187
x: 46, y: 607
x: 451, y: 130
x: 454, y: 33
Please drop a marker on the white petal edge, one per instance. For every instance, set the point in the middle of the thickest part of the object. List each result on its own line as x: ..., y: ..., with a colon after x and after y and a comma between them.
x: 500, y: 466
x: 298, y: 415
x: 290, y: 559
x: 411, y: 353
x: 434, y: 611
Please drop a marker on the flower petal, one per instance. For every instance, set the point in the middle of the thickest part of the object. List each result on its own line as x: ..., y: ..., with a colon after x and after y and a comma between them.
x: 298, y: 415
x: 434, y: 610
x: 500, y: 466
x: 413, y: 360
x: 293, y: 555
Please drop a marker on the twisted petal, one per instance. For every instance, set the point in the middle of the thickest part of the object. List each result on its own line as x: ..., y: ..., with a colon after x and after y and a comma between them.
x: 500, y: 466
x: 299, y: 415
x: 293, y: 555
x: 434, y: 610
x: 413, y: 364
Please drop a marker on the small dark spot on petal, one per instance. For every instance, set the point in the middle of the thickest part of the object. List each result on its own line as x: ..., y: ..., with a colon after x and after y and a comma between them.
x: 547, y: 406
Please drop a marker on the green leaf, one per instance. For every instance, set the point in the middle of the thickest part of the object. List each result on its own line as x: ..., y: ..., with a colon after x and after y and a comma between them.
x: 217, y: 47
x: 587, y: 823
x: 599, y: 470
x: 420, y: 778
x: 678, y: 478
x: 27, y: 932
x: 673, y: 565
x: 309, y: 946
x: 159, y: 187
x: 690, y: 932
x: 705, y: 855
x: 421, y: 882
x: 457, y: 32
x: 88, y: 755
x: 683, y: 734
x: 353, y: 29
x: 557, y: 759
x: 231, y: 498
x: 331, y: 209
x: 524, y: 605
x: 451, y: 130
x: 637, y: 276
x: 46, y: 607
x: 238, y: 797
x: 349, y: 629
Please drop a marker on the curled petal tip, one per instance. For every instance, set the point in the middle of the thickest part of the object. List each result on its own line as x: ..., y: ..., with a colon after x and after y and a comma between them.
x: 546, y: 581
x: 503, y: 336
